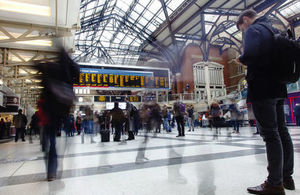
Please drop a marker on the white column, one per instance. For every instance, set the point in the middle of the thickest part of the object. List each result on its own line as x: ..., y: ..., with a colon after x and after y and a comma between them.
x: 207, y: 83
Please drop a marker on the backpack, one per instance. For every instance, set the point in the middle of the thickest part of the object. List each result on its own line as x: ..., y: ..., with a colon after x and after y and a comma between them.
x: 133, y: 111
x: 182, y: 108
x: 285, y: 58
x: 215, y: 111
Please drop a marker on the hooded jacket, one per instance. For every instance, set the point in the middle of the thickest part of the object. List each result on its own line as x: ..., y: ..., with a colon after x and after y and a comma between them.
x: 257, y: 57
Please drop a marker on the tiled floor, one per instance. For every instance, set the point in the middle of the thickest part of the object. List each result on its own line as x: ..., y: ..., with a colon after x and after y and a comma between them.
x: 200, y: 163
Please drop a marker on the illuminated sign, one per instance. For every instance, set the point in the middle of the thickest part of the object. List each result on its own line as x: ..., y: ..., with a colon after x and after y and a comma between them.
x: 118, y: 77
x: 101, y: 98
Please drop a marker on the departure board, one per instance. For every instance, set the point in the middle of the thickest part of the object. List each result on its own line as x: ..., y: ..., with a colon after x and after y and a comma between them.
x: 110, y: 77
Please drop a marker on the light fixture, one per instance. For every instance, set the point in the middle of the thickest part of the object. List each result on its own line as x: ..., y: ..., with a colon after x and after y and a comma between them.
x: 46, y: 43
x: 26, y: 8
x: 80, y: 99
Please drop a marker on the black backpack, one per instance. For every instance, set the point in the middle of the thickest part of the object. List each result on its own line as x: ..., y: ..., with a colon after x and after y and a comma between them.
x: 285, y: 58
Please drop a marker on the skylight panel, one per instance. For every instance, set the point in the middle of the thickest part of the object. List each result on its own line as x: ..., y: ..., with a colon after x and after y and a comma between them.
x: 207, y: 28
x: 105, y: 43
x: 134, y: 15
x: 124, y: 5
x: 91, y: 5
x: 107, y: 35
x: 174, y: 4
x: 210, y: 17
x: 291, y: 9
x: 143, y: 21
x: 127, y: 41
x: 238, y: 36
x: 120, y: 36
x: 232, y: 30
x: 154, y: 6
x: 139, y: 9
x: 161, y: 16
x: 147, y: 14
x: 151, y: 27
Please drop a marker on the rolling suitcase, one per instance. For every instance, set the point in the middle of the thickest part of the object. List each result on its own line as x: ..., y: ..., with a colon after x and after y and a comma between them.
x: 105, y: 134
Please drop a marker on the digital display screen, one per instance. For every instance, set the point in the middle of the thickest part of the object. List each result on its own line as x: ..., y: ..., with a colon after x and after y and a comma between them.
x: 94, y: 76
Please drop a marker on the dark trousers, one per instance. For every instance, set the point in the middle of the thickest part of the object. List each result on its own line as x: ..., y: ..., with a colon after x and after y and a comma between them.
x: 20, y: 131
x: 236, y: 125
x: 50, y: 146
x: 118, y: 129
x: 270, y: 119
x: 180, y: 125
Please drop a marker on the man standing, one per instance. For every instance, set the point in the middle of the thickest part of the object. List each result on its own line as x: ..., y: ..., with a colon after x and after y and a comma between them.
x: 267, y: 97
x: 191, y: 118
x: 165, y: 118
x: 179, y: 111
x: 118, y: 119
x: 20, y: 122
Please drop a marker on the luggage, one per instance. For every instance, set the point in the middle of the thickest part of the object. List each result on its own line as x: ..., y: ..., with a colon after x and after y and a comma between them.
x: 105, y: 134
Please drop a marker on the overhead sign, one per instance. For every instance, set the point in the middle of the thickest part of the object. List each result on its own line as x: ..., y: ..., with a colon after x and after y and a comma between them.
x: 97, y: 76
x: 12, y: 101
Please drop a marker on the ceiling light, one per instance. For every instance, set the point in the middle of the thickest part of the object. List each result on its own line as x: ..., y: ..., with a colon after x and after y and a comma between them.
x: 36, y: 42
x: 27, y: 8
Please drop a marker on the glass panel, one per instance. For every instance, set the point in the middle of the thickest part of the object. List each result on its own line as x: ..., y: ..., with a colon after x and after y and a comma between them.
x: 154, y: 6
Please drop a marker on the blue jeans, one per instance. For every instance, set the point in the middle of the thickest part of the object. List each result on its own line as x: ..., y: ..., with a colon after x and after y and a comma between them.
x: 88, y: 126
x: 236, y: 125
x: 166, y: 125
x: 269, y: 114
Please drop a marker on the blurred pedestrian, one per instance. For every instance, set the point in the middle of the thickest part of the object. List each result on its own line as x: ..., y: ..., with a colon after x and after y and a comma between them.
x: 20, y: 122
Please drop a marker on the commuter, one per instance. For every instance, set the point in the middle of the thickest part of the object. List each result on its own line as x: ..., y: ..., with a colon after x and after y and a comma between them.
x: 165, y: 115
x: 56, y: 100
x: 156, y: 117
x: 20, y: 122
x: 7, y: 125
x: 130, y: 109
x: 96, y: 123
x: 69, y: 125
x: 34, y: 124
x: 118, y: 119
x: 2, y: 128
x: 169, y: 118
x: 136, y: 121
x: 227, y: 117
x: 235, y: 118
x: 267, y: 97
x: 78, y: 124
x: 87, y: 124
x: 191, y: 118
x: 179, y: 113
x: 215, y: 114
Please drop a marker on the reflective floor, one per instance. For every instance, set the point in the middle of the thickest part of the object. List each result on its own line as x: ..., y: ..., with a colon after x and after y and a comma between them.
x: 199, y: 163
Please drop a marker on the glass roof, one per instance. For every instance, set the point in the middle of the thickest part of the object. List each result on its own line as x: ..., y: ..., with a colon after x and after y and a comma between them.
x: 290, y: 8
x: 119, y: 31
x: 118, y: 25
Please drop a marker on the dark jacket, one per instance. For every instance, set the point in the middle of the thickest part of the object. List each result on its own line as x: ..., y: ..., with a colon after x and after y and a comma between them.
x: 117, y: 115
x: 257, y: 58
x: 20, y: 121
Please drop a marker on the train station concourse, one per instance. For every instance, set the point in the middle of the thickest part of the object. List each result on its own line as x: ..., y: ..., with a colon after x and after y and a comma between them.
x: 138, y: 97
